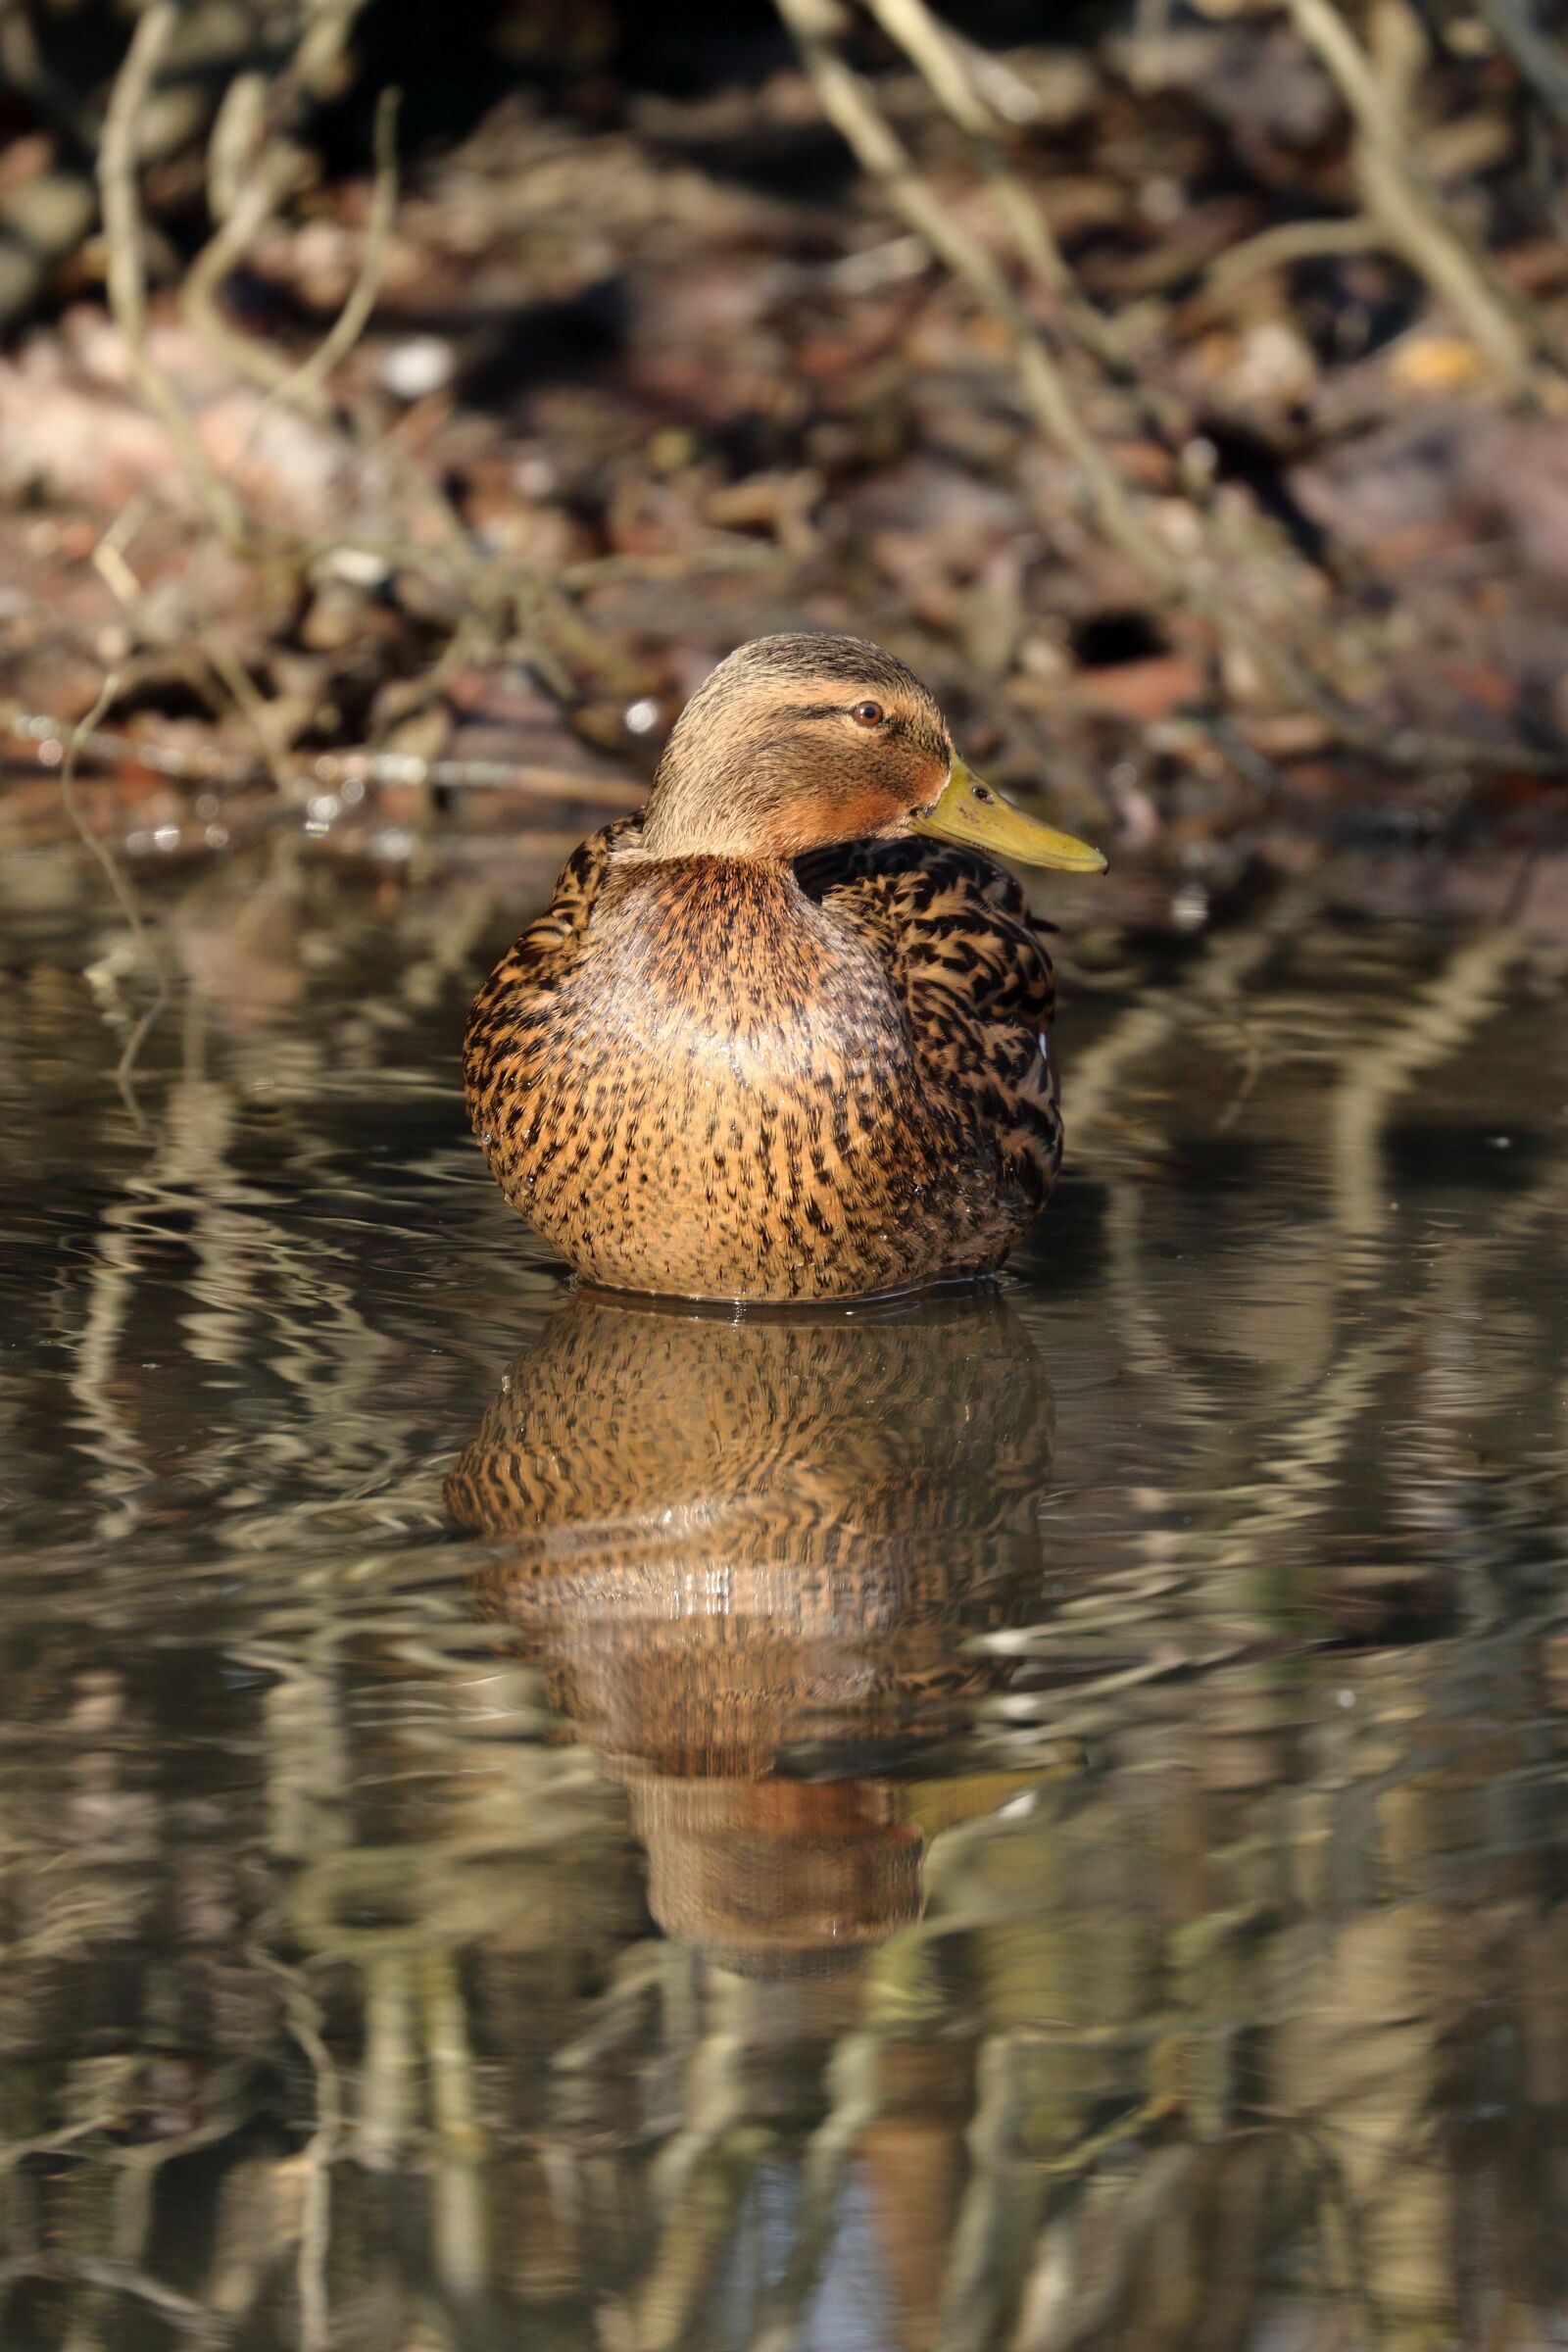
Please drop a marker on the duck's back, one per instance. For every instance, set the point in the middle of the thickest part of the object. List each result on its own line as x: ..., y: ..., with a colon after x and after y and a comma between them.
x: 969, y: 961
x: 708, y: 1078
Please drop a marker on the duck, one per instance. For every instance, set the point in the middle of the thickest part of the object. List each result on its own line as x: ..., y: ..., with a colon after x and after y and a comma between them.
x: 785, y: 1033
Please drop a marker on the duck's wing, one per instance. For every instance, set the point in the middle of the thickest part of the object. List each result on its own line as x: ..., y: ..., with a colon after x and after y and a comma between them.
x: 536, y: 963
x: 968, y: 958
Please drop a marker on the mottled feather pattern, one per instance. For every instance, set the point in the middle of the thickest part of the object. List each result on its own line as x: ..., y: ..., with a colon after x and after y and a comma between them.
x: 969, y: 958
x: 711, y: 1077
x: 711, y: 1518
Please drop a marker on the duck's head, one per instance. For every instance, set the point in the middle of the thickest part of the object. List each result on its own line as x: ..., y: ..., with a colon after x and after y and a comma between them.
x: 797, y: 743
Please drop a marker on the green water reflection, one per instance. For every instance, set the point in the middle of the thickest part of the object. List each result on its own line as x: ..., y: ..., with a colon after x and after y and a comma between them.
x: 1032, y: 1820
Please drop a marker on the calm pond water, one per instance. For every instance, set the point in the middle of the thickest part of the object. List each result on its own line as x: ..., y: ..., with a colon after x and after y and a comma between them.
x: 1036, y: 1820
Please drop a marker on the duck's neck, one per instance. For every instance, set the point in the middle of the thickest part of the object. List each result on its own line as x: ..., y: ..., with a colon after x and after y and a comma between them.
x: 746, y: 815
x: 702, y: 886
x: 707, y: 923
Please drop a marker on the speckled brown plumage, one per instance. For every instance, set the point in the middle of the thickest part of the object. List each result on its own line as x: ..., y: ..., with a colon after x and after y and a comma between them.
x: 805, y: 1067
x: 633, y: 1437
x: 738, y: 1544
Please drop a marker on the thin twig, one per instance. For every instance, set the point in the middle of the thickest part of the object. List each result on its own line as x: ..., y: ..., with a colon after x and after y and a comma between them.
x: 1401, y: 199
x: 126, y: 274
x: 307, y: 382
x: 1290, y: 241
x: 936, y: 53
x: 1536, y: 56
x: 950, y: 70
x: 252, y: 704
x: 851, y: 109
x: 224, y: 249
x: 324, y: 772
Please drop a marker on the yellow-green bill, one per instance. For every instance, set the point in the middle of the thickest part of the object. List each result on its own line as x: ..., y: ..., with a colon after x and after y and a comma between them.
x: 976, y: 815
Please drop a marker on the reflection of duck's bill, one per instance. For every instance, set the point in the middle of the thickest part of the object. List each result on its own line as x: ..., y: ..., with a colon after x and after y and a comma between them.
x: 778, y: 1878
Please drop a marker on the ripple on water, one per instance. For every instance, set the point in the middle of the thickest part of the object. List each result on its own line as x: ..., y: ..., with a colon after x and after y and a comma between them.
x: 1047, y: 1801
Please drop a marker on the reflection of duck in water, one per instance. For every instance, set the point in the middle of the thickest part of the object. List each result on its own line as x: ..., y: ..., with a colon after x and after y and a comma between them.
x: 748, y: 1554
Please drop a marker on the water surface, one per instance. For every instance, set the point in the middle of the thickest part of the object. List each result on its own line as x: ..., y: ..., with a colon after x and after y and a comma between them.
x: 1034, y: 1819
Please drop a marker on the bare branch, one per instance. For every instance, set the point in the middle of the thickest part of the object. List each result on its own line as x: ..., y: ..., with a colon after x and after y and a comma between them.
x: 1403, y: 201
x: 324, y: 772
x: 852, y: 111
x: 305, y: 384
x: 118, y: 159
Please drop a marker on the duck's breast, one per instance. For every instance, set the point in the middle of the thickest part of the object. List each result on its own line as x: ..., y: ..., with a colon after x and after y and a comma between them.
x: 725, y: 1094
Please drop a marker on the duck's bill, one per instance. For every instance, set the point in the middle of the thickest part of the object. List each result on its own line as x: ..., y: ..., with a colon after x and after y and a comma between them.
x: 976, y: 815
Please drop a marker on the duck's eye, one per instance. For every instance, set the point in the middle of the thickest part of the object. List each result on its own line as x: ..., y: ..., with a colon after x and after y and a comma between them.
x: 868, y: 714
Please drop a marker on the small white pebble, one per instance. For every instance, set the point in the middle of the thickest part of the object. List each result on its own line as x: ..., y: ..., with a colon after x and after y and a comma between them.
x: 404, y: 767
x: 359, y: 567
x: 415, y: 368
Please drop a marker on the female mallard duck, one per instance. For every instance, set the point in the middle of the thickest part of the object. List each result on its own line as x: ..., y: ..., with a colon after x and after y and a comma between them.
x: 769, y: 1041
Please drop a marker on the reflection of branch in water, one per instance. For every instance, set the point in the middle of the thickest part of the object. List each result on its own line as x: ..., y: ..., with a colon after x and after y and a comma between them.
x: 460, y: 2251
x: 305, y: 2021
x: 107, y: 1437
x: 854, y: 2087
x: 125, y: 896
x: 1001, y: 2204
x: 385, y: 2104
x: 1379, y: 1068
x: 1058, y: 2313
x: 192, y: 2321
x: 1212, y: 985
x: 696, y: 2227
